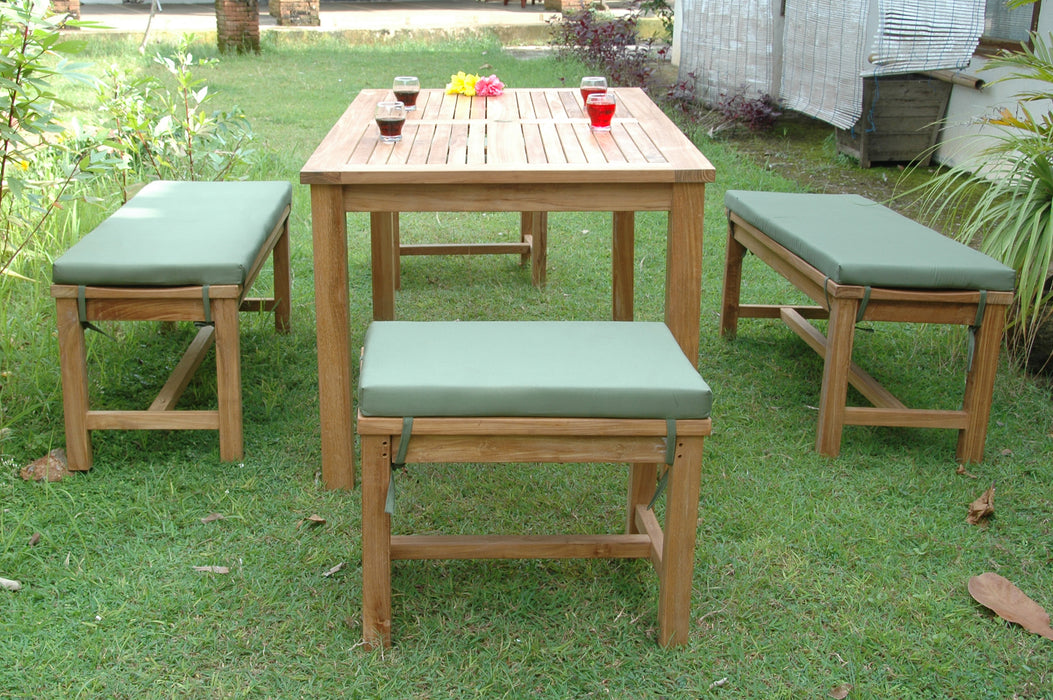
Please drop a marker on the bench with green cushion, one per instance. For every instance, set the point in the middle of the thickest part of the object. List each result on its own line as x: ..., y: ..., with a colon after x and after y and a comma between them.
x: 558, y: 392
x: 542, y: 368
x: 853, y: 240
x: 176, y: 251
x: 859, y: 260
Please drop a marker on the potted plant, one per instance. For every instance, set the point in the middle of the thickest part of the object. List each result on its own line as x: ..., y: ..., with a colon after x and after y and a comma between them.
x: 1002, y: 197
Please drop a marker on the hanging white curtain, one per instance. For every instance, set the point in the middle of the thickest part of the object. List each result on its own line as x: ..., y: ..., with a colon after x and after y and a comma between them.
x: 823, y: 57
x: 919, y: 35
x: 727, y: 46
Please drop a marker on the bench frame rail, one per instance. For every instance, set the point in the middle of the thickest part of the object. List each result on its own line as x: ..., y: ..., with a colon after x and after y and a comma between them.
x: 169, y: 304
x: 840, y: 304
x: 640, y: 442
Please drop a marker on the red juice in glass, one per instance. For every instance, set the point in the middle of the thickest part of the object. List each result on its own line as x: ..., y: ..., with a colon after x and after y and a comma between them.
x: 586, y: 91
x: 600, y: 114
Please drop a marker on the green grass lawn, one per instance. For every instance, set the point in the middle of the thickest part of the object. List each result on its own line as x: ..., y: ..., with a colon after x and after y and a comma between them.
x: 811, y: 572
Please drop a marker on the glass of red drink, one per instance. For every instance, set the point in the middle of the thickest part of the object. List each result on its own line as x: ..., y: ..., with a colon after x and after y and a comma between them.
x: 390, y: 118
x: 600, y: 107
x: 406, y: 89
x: 592, y: 84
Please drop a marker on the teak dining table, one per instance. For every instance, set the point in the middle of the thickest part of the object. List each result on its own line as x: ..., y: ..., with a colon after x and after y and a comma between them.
x: 529, y: 151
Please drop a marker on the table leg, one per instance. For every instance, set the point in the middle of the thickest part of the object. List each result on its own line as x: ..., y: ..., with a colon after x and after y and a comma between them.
x: 329, y: 233
x: 683, y: 265
x: 622, y: 264
x: 534, y: 224
x: 396, y: 251
x: 383, y: 225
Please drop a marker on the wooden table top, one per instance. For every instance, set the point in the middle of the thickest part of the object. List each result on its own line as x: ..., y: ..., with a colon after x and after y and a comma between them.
x: 522, y: 136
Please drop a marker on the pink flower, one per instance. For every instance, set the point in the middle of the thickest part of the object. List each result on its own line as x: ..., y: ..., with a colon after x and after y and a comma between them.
x: 489, y: 87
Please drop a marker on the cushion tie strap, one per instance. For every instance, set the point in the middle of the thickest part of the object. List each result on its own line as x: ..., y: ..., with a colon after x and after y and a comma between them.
x: 863, y: 304
x: 826, y: 292
x: 206, y: 303
x: 398, y: 462
x: 670, y: 455
x: 82, y: 313
x: 981, y: 307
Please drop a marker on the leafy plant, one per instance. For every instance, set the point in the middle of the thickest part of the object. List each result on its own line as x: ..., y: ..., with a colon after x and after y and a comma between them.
x: 37, y: 163
x: 609, y: 45
x: 755, y: 113
x: 164, y: 133
x: 1003, y: 195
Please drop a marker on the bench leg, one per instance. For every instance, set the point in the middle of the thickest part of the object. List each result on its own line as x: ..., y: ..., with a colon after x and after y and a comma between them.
x: 729, y: 305
x: 228, y: 379
x: 840, y: 335
x: 74, y: 369
x: 376, y: 541
x: 979, y: 385
x: 282, y: 281
x: 678, y: 546
x: 643, y: 478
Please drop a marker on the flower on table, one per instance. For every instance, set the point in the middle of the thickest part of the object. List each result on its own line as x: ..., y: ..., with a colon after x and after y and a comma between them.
x: 469, y: 84
x: 489, y: 87
x: 462, y: 83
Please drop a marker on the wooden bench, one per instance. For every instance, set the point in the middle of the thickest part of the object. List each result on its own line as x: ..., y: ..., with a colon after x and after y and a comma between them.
x: 861, y: 261
x: 580, y: 392
x: 177, y: 251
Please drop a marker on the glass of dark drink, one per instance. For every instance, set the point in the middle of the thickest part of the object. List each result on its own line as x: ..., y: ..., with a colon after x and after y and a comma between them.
x: 406, y: 89
x: 600, y: 107
x: 592, y: 84
x: 390, y: 118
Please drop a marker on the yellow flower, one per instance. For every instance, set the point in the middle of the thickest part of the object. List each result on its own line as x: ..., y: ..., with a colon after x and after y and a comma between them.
x: 462, y: 84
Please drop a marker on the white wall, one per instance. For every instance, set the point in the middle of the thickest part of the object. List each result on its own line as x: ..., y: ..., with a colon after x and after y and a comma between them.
x: 963, y: 133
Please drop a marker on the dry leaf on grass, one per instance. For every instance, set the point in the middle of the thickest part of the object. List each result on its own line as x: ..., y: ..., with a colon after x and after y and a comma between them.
x: 51, y: 467
x: 840, y: 692
x: 961, y: 471
x: 1010, y: 603
x: 982, y: 507
x: 212, y: 517
x: 212, y: 569
x: 313, y: 520
x: 10, y: 585
x: 335, y: 569
x: 34, y: 539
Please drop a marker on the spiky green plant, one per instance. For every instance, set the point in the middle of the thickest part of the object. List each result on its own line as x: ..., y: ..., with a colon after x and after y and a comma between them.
x: 1002, y: 196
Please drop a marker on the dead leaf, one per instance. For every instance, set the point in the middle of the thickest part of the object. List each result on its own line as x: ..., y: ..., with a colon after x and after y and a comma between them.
x: 1010, y: 603
x: 1007, y: 452
x: 335, y: 569
x: 313, y: 520
x: 34, y: 539
x: 982, y: 507
x: 51, y: 467
x: 212, y: 569
x: 9, y: 585
x: 962, y: 472
x: 840, y: 692
x: 212, y: 517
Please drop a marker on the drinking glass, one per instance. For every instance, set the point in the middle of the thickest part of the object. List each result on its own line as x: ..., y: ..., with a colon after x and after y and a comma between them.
x: 406, y: 89
x: 390, y: 118
x: 592, y: 84
x: 600, y: 107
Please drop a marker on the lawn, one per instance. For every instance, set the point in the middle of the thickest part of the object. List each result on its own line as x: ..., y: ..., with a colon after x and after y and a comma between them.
x: 811, y: 572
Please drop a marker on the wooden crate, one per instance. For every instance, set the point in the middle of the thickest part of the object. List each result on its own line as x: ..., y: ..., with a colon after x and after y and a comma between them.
x: 901, y: 119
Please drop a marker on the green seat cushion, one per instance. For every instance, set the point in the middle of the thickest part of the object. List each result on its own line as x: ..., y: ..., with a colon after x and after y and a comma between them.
x: 853, y: 240
x: 530, y: 368
x: 178, y: 233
